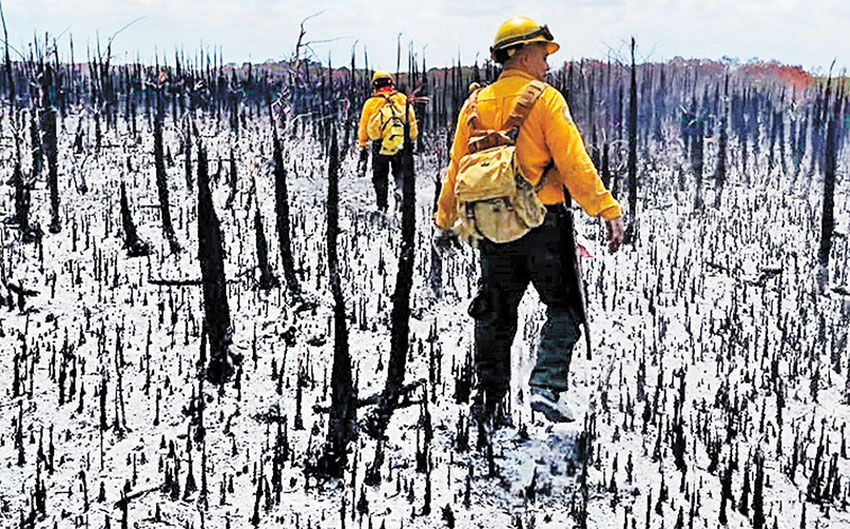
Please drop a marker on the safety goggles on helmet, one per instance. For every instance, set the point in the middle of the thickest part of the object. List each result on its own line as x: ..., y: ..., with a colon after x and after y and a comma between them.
x: 541, y: 34
x: 543, y: 31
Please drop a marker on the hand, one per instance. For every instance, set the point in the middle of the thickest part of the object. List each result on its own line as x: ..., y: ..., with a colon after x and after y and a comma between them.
x: 614, y: 233
x: 445, y: 240
x: 361, y: 164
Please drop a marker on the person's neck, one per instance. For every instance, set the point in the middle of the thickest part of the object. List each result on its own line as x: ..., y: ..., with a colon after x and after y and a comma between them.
x: 517, y: 67
x: 520, y: 70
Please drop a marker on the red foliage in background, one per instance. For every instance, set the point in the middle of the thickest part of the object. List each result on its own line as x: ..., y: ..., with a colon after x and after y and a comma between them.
x: 794, y: 76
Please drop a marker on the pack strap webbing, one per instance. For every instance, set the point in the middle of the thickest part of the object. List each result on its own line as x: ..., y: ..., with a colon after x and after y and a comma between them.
x: 482, y: 138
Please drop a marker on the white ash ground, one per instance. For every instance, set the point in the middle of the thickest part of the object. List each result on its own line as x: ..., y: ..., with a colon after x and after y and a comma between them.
x: 623, y: 327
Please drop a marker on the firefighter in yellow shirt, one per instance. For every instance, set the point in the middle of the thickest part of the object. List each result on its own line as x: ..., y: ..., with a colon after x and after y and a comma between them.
x: 383, y: 93
x: 548, y: 142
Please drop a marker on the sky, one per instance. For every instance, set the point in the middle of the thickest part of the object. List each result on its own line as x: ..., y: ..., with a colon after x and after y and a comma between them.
x: 810, y: 33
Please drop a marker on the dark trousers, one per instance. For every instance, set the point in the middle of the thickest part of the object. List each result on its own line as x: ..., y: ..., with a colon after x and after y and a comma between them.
x: 543, y: 258
x: 381, y: 171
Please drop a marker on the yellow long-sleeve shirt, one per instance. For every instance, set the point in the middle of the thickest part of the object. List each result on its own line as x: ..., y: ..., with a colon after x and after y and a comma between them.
x: 373, y: 105
x: 547, y: 134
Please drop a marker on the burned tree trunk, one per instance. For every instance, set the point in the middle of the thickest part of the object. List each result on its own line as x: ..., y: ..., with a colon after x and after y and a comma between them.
x: 742, y: 137
x: 720, y: 175
x: 19, y: 181
x: 29, y: 233
x: 211, y: 256
x: 161, y: 176
x: 187, y: 152
x: 342, y: 425
x: 47, y: 119
x: 698, y: 161
x: 135, y: 246
x: 10, y: 78
x: 36, y: 147
x: 631, y: 231
x: 400, y: 315
x: 232, y: 180
x: 281, y: 209
x: 435, y: 277
x: 267, y: 278
x: 828, y: 214
x: 404, y: 282
x: 758, y: 492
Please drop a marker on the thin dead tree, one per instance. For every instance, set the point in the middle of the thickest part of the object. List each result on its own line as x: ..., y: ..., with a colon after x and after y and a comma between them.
x: 435, y: 276
x: 720, y: 175
x: 21, y: 182
x: 631, y: 230
x: 213, y: 279
x: 281, y: 209
x: 161, y: 175
x: 342, y: 422
x: 50, y: 145
x: 394, y: 388
x: 828, y: 209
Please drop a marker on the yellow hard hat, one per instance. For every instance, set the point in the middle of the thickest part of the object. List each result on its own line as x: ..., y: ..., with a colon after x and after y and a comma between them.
x: 382, y: 74
x: 519, y: 31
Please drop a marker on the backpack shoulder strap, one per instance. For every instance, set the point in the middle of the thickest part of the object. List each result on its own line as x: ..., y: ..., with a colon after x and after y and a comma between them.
x: 394, y: 103
x: 522, y: 107
x: 382, y: 95
x: 481, y: 138
x: 472, y: 114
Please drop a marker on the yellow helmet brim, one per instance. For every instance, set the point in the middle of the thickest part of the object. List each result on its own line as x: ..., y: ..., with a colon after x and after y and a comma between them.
x: 551, y: 46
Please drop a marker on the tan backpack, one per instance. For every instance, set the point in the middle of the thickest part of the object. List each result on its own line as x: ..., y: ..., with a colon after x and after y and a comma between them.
x: 494, y: 200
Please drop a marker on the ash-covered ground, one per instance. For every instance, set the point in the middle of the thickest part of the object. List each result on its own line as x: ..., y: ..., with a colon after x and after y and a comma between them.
x: 717, y: 385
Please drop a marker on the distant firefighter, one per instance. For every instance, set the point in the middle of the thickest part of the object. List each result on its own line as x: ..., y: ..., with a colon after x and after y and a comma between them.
x: 382, y: 122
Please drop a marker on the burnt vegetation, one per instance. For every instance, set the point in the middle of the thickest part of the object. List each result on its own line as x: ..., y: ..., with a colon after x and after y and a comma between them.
x: 217, y: 329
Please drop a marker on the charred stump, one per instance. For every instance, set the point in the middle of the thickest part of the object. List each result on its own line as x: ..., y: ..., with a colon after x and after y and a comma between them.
x: 267, y: 277
x: 23, y: 187
x: 135, y: 246
x: 758, y: 492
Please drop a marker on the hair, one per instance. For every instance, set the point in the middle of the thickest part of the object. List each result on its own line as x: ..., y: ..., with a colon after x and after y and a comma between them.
x: 380, y: 83
x: 502, y: 56
x: 513, y: 52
